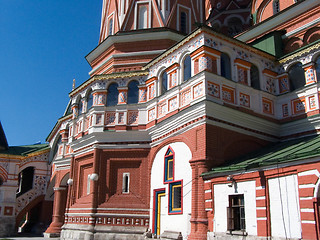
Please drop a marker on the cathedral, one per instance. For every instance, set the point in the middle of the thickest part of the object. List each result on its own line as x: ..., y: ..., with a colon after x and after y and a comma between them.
x: 199, y: 120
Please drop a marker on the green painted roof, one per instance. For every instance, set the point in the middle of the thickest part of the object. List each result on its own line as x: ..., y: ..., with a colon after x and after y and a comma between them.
x: 278, y: 153
x: 25, y: 150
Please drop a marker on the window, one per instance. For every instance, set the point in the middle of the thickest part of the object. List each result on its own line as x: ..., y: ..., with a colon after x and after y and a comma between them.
x: 183, y: 22
x: 80, y: 106
x: 164, y: 82
x: 88, y: 184
x: 89, y: 101
x: 133, y: 92
x: 1, y: 181
x: 276, y: 6
x: 110, y: 27
x: 254, y: 77
x: 175, y: 197
x: 296, y: 76
x: 225, y: 66
x: 143, y: 17
x: 125, y: 182
x: 317, y: 67
x: 25, y: 180
x: 169, y: 166
x: 187, y: 68
x: 235, y: 213
x: 112, y: 95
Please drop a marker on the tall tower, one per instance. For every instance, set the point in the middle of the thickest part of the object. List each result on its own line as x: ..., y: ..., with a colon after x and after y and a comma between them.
x: 133, y: 32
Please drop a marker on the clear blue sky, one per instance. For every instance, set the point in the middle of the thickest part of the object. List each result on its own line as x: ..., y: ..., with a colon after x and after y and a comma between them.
x: 42, y: 48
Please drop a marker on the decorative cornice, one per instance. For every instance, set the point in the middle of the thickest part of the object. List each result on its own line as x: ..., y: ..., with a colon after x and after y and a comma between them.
x: 300, y: 53
x: 106, y: 77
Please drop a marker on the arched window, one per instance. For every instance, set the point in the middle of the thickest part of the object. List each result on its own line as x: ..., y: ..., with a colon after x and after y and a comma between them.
x: 317, y: 67
x: 25, y: 180
x: 276, y: 6
x: 296, y: 76
x: 187, y: 68
x: 164, y: 82
x: 183, y: 22
x: 225, y: 66
x: 143, y: 17
x: 254, y: 77
x: 80, y: 106
x: 112, y: 95
x: 133, y: 92
x: 89, y: 101
x: 110, y: 27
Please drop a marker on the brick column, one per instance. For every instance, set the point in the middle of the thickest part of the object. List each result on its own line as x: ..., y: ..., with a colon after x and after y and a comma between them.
x: 94, y: 194
x: 199, y: 220
x: 58, y: 212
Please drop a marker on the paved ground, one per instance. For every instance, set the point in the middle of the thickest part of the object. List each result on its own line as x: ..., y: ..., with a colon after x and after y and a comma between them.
x: 28, y: 238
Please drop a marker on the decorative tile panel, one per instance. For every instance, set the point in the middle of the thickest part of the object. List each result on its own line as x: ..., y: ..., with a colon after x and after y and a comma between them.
x: 267, y: 106
x: 228, y: 94
x: 205, y: 63
x: 110, y: 118
x: 213, y: 89
x: 173, y: 79
x: 162, y: 109
x: 270, y: 85
x: 133, y: 117
x: 198, y: 90
x: 121, y: 119
x: 142, y: 94
x: 152, y: 91
x: 151, y: 114
x: 242, y: 75
x: 285, y: 110
x: 99, y: 119
x: 284, y: 85
x: 99, y: 99
x: 310, y: 76
x: 185, y: 97
x: 298, y: 106
x: 123, y: 95
x: 312, y: 103
x: 244, y: 100
x: 173, y: 103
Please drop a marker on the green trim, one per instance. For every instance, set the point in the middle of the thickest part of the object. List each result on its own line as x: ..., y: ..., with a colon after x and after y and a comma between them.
x: 278, y: 153
x: 25, y: 150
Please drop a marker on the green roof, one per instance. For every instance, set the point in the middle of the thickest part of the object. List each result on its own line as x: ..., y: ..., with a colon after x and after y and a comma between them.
x: 25, y: 150
x: 278, y: 153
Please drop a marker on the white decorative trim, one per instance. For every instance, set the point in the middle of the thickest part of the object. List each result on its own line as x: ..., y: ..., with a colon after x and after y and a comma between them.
x: 261, y: 198
x: 306, y: 209
x: 310, y: 172
x: 307, y: 186
x: 308, y: 221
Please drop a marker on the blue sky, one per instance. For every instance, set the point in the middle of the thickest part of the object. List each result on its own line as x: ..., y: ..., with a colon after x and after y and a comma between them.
x: 42, y: 48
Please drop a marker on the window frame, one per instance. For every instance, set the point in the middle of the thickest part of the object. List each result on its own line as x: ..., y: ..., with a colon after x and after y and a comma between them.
x: 232, y: 210
x: 173, y: 186
x: 126, y: 183
x: 168, y: 158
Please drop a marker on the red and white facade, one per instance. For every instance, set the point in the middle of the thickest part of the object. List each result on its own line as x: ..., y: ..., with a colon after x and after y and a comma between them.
x: 136, y: 137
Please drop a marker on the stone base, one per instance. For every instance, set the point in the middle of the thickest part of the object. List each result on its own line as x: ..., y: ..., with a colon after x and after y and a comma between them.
x: 7, y: 226
x: 227, y: 236
x: 87, y: 232
x: 171, y: 235
x: 51, y: 235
